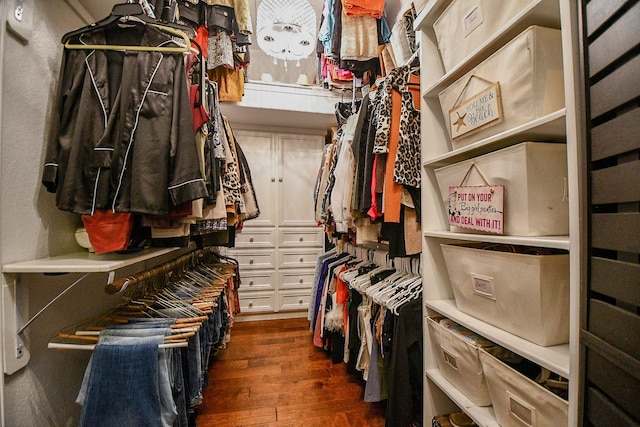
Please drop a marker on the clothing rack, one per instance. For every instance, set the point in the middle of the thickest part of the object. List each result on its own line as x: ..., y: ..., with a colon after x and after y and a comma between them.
x: 407, y: 267
x: 347, y: 324
x: 183, y: 327
x: 378, y: 253
x: 91, y: 347
x: 176, y: 265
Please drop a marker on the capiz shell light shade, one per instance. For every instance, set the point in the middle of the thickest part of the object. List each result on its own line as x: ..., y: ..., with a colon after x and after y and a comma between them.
x: 286, y: 28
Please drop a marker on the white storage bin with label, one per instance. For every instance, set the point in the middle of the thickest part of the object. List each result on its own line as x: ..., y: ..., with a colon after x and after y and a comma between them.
x: 524, y: 291
x: 519, y: 83
x: 518, y: 401
x: 534, y: 176
x: 464, y: 25
x: 458, y: 360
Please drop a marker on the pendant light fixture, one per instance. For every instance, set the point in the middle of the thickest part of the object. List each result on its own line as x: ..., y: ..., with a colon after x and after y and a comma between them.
x: 286, y: 29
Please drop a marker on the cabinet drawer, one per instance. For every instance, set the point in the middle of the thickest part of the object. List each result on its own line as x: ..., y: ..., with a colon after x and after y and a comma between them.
x: 298, y: 258
x: 296, y: 279
x: 255, y: 239
x: 258, y: 302
x: 294, y: 300
x: 253, y: 260
x: 257, y: 281
x: 300, y: 237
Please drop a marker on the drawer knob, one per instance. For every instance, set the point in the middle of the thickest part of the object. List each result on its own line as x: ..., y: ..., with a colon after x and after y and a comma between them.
x: 279, y: 179
x: 250, y: 304
x: 273, y: 180
x: 301, y: 280
x: 251, y: 239
x: 300, y: 302
x: 301, y: 239
x: 251, y: 283
x: 301, y: 259
x: 251, y: 261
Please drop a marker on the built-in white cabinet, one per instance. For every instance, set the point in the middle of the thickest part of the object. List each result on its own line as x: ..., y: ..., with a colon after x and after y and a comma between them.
x: 278, y: 250
x: 297, y: 165
x: 560, y: 126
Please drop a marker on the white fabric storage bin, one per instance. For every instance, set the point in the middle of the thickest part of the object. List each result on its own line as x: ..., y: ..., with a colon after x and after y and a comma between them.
x: 524, y: 294
x: 529, y: 73
x: 534, y: 175
x: 464, y: 25
x: 518, y: 401
x: 458, y: 358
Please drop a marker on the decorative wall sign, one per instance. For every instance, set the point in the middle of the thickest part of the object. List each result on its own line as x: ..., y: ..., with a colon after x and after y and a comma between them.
x: 482, y: 110
x: 477, y: 207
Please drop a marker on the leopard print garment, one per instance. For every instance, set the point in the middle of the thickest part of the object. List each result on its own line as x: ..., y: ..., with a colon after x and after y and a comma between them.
x: 407, y: 163
x: 406, y: 168
x: 231, y: 178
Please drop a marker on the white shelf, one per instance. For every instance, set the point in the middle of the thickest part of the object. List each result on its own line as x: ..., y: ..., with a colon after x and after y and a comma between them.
x: 542, y: 12
x: 550, y: 128
x: 283, y: 106
x: 481, y: 415
x: 429, y: 13
x: 554, y: 358
x: 85, y: 262
x: 437, y: 151
x: 556, y: 242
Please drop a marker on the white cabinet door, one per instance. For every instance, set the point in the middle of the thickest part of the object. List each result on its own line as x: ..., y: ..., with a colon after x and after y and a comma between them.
x: 258, y: 148
x: 279, y: 249
x: 299, y: 162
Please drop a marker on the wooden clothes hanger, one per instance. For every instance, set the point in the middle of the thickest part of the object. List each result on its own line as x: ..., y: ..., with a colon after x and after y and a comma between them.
x: 127, y: 12
x: 150, y: 293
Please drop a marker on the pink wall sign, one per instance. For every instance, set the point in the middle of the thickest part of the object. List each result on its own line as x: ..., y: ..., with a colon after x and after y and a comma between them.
x: 477, y: 207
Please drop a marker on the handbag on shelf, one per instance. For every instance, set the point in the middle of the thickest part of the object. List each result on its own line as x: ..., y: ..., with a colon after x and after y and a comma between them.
x: 108, y: 231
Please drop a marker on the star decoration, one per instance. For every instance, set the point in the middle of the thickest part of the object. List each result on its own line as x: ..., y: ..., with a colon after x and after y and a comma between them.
x: 460, y: 122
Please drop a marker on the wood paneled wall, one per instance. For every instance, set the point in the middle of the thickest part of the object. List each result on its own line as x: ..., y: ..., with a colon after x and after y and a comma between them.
x: 610, y: 335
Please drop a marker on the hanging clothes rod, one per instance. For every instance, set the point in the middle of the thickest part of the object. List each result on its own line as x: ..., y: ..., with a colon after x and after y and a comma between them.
x: 374, y: 245
x: 62, y: 346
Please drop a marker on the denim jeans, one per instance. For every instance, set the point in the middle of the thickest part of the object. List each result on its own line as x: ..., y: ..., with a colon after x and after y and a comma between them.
x: 134, y: 336
x: 174, y: 361
x: 192, y: 359
x: 122, y: 385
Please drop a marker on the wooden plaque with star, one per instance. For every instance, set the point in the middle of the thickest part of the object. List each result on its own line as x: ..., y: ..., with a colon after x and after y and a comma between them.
x: 478, y: 112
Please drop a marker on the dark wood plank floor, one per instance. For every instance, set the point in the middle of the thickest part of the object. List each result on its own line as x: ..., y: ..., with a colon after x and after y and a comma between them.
x: 270, y: 374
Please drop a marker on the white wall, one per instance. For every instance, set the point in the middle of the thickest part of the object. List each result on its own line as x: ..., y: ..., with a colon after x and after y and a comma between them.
x: 43, y: 393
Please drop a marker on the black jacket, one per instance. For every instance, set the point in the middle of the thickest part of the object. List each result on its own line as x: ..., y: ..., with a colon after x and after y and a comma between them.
x: 122, y: 133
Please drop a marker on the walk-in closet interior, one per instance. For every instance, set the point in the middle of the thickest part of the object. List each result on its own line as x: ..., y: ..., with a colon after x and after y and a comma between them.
x: 406, y: 212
